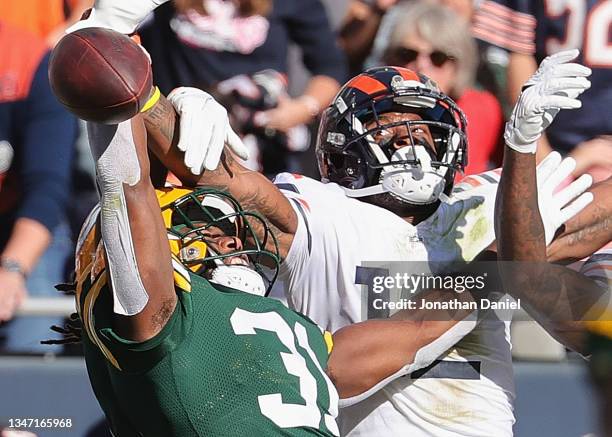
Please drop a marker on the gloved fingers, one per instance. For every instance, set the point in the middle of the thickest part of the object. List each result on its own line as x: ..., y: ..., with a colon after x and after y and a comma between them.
x: 575, y: 207
x: 556, y: 102
x: 218, y: 123
x: 567, y: 84
x: 547, y: 167
x: 217, y: 141
x: 562, y: 172
x: 190, y: 130
x: 549, y: 70
x: 234, y: 142
x: 573, y: 190
x: 560, y: 57
x: 569, y: 70
x: 195, y: 156
x: 198, y: 142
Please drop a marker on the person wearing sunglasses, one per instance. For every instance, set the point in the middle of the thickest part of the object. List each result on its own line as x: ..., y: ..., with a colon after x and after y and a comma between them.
x: 435, y: 41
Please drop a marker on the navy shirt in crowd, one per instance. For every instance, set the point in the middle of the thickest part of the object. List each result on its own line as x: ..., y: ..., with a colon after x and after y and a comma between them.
x: 39, y: 131
x: 195, y: 50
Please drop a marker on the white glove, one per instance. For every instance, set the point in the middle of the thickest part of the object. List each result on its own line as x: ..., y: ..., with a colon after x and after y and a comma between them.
x: 556, y: 208
x: 123, y: 16
x: 555, y: 85
x: 204, y: 129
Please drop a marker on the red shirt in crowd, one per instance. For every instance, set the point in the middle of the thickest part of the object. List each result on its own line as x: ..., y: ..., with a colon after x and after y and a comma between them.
x: 485, y: 120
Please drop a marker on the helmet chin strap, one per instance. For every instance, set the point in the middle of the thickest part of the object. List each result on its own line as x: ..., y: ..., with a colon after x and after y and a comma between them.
x: 238, y: 277
x: 419, y: 184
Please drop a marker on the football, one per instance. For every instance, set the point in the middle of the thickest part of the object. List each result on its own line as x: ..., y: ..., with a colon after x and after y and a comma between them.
x: 100, y: 75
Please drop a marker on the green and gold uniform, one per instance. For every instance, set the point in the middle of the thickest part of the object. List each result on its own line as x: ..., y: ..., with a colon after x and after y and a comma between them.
x: 227, y: 363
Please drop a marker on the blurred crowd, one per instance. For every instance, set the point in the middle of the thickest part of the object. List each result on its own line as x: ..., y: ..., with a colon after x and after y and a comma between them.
x: 479, y: 52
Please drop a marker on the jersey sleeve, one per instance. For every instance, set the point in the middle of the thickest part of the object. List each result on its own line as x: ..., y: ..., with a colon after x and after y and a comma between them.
x: 95, y: 310
x: 314, y: 255
x: 298, y: 257
x: 509, y: 24
x: 476, y: 180
x: 134, y: 356
x: 599, y: 267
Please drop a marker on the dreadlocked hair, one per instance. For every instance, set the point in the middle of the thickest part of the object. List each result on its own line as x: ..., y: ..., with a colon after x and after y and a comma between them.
x: 73, y: 328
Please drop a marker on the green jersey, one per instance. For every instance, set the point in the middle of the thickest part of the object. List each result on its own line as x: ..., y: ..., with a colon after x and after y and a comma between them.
x: 227, y: 363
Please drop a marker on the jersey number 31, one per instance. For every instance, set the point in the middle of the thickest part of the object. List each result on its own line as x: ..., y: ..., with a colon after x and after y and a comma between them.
x: 286, y: 415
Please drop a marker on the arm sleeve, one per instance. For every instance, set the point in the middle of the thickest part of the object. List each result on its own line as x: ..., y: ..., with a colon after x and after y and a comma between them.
x: 309, y: 27
x: 48, y: 135
x: 509, y: 24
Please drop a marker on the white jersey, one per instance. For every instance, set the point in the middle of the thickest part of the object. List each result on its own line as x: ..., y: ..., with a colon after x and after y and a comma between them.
x: 470, y: 392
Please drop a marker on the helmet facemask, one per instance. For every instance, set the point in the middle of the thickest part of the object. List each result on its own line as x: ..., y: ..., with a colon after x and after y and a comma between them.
x: 201, y: 216
x: 413, y: 169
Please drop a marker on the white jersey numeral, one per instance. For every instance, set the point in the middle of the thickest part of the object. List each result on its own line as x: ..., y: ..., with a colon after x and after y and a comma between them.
x: 576, y: 12
x: 287, y: 415
x: 586, y: 29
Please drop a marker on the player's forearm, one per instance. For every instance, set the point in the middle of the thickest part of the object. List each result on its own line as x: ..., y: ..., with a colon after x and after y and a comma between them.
x: 135, y: 240
x: 519, y: 228
x: 547, y: 292
x: 367, y: 356
x: 520, y: 232
x: 590, y: 230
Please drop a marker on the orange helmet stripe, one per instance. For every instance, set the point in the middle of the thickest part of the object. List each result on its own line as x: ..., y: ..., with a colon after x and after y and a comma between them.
x: 408, y: 74
x: 367, y: 84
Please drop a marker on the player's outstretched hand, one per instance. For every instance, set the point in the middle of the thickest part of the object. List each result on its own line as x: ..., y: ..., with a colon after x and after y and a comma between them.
x: 555, y: 85
x: 122, y: 16
x: 204, y: 129
x: 557, y: 207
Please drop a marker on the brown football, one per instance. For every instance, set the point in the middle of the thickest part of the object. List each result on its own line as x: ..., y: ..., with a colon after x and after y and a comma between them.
x: 100, y: 75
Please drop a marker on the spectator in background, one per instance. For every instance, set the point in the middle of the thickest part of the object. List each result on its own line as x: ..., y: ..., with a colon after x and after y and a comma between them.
x: 434, y: 40
x: 37, y: 137
x: 367, y: 26
x: 358, y: 31
x: 203, y: 42
x: 532, y: 30
x: 245, y: 97
x: 364, y: 20
x: 48, y: 19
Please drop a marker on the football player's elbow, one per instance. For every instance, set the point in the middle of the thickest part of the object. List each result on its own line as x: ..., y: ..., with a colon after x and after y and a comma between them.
x: 361, y: 358
x: 346, y: 363
x: 350, y: 380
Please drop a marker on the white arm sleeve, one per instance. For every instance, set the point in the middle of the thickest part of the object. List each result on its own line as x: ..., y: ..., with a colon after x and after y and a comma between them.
x: 114, y: 151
